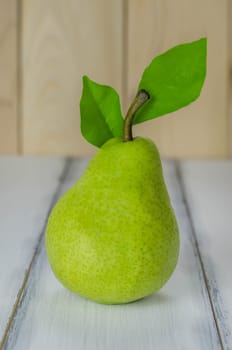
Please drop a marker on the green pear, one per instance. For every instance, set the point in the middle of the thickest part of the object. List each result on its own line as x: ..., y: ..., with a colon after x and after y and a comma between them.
x: 113, y: 236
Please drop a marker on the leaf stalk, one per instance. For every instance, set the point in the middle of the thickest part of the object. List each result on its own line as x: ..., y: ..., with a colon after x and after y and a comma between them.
x: 141, y: 97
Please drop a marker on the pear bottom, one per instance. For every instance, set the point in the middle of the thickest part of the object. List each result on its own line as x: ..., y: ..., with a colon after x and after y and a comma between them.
x: 118, y: 282
x: 113, y: 237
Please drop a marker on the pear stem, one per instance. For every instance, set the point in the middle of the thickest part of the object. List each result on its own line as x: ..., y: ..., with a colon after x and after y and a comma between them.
x: 141, y: 97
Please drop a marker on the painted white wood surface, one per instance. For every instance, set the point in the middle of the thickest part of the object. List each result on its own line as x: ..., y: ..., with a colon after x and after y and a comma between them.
x: 178, y: 317
x: 208, y: 188
x: 26, y: 189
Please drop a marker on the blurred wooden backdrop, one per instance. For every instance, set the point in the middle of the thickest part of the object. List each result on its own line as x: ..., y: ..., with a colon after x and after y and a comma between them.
x: 47, y: 45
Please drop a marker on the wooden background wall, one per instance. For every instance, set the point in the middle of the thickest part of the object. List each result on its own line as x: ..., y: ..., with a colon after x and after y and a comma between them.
x: 47, y: 45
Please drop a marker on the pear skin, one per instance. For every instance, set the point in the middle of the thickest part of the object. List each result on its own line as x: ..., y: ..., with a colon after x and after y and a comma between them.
x: 113, y: 237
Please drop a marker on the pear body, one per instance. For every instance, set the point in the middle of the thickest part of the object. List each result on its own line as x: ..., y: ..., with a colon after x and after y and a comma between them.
x: 113, y: 236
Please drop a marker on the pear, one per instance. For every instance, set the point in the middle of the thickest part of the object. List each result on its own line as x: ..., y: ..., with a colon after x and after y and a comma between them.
x: 113, y: 237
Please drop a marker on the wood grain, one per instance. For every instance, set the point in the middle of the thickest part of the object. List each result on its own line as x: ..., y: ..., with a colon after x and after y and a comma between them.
x: 9, y: 75
x: 200, y: 130
x: 208, y: 188
x: 178, y: 316
x: 26, y: 187
x: 62, y: 41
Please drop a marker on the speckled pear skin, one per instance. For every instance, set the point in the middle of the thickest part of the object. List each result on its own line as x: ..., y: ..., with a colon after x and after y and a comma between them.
x: 113, y: 236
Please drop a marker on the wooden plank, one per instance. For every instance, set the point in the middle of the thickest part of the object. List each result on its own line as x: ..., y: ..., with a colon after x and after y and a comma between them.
x: 27, y: 186
x: 62, y: 42
x: 155, y: 26
x: 208, y: 188
x: 9, y: 76
x: 177, y: 317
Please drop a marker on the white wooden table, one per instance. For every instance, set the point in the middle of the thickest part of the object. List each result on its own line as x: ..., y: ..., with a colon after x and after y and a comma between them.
x: 192, y: 311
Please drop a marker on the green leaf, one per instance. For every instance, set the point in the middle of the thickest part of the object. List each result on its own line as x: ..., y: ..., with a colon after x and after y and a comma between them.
x: 173, y: 80
x: 101, y: 116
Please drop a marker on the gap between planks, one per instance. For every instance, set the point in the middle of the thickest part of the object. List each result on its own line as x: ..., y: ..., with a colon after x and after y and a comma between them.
x: 125, y: 32
x: 19, y: 297
x: 195, y: 241
x: 19, y: 81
